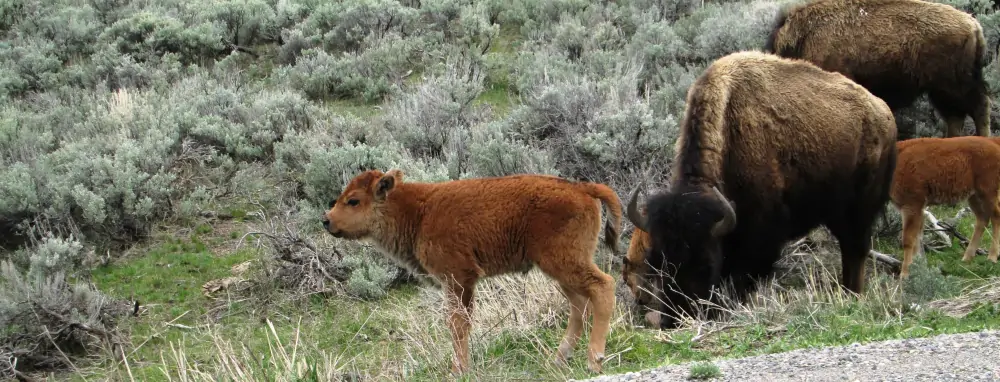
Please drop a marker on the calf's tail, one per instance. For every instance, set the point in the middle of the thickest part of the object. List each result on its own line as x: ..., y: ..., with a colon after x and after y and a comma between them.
x: 613, y: 227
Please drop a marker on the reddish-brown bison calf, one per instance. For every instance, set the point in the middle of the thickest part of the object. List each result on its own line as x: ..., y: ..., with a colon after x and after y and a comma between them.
x: 936, y: 171
x: 635, y: 256
x: 458, y: 232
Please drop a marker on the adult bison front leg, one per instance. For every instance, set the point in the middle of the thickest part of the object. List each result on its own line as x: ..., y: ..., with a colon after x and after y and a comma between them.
x: 459, y: 295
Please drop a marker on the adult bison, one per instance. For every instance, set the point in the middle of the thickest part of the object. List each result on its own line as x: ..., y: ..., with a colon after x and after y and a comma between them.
x: 458, y: 232
x: 897, y: 49
x: 769, y: 149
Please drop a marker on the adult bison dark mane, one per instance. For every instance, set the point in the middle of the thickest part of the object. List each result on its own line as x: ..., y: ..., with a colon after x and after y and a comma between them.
x: 770, y: 148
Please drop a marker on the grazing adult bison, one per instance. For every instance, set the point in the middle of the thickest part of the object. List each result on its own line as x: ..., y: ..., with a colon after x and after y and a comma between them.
x: 769, y: 149
x: 935, y: 171
x: 461, y: 231
x: 897, y: 49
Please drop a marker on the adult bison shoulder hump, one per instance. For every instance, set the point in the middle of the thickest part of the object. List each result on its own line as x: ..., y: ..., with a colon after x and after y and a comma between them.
x: 897, y: 49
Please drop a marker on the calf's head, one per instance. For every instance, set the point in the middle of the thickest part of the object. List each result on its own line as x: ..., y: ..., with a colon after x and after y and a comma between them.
x: 683, y: 262
x: 635, y: 255
x: 357, y: 211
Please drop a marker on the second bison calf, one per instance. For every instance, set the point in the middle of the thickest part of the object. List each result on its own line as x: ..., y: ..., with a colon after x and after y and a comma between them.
x: 936, y: 171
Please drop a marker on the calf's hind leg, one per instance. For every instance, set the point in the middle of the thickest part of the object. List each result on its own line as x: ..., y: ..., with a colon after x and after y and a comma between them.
x: 577, y: 316
x: 984, y: 213
x: 595, y: 289
x: 995, y: 224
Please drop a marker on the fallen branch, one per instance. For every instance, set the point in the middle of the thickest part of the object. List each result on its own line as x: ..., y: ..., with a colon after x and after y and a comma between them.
x: 936, y: 226
x: 958, y: 215
x: 961, y: 238
x: 180, y: 326
x: 885, y: 259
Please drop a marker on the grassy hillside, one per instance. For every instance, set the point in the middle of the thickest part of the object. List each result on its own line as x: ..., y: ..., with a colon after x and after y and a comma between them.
x: 178, y: 154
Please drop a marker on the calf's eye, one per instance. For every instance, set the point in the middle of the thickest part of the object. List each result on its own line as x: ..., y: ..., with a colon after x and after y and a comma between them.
x: 352, y: 202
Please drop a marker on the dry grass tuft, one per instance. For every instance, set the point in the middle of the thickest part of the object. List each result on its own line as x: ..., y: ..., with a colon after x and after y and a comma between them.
x: 289, y: 359
x: 969, y: 299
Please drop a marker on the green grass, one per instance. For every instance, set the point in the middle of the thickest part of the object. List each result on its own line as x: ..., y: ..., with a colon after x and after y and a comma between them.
x: 704, y: 370
x: 167, y: 280
x: 499, y: 97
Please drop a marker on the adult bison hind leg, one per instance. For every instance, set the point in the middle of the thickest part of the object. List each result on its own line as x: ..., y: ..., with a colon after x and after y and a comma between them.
x: 981, y: 114
x: 854, y: 237
x: 954, y: 108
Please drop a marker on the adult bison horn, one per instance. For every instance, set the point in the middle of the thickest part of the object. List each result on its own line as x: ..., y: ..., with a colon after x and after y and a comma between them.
x: 633, y: 213
x: 728, y: 221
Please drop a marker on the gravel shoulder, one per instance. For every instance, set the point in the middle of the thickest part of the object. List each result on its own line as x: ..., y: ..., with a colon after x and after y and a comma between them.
x: 947, y: 357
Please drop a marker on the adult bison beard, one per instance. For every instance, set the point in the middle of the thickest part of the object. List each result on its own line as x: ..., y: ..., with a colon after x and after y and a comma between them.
x: 677, y: 296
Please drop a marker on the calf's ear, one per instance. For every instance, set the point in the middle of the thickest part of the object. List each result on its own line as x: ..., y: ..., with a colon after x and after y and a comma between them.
x: 387, y: 183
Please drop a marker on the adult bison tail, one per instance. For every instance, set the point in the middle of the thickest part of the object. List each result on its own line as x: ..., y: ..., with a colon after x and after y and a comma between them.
x: 613, y: 227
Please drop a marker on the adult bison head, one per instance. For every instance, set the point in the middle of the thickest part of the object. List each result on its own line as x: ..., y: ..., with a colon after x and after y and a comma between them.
x: 357, y: 211
x: 683, y: 262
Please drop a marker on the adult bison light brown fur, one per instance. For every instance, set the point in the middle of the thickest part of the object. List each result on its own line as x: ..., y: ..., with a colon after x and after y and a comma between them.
x: 458, y: 232
x: 935, y: 171
x: 769, y: 149
x: 897, y: 49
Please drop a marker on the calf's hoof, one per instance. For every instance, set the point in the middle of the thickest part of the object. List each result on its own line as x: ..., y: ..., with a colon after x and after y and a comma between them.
x: 594, y: 364
x: 458, y: 369
x: 560, y: 360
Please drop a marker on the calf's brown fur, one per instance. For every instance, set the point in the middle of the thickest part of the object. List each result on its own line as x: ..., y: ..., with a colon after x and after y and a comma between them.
x: 635, y: 256
x: 936, y: 171
x: 897, y: 49
x: 458, y: 232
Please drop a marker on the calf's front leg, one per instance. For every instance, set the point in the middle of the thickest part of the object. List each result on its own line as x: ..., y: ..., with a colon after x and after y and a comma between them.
x: 460, y: 303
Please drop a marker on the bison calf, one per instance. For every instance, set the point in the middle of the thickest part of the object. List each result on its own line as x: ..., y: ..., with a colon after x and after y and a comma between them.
x: 631, y: 264
x: 897, y: 49
x: 458, y: 232
x: 936, y: 171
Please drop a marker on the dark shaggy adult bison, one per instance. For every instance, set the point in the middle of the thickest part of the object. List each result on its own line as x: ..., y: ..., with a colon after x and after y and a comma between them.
x: 769, y: 149
x: 897, y: 49
x: 461, y: 231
